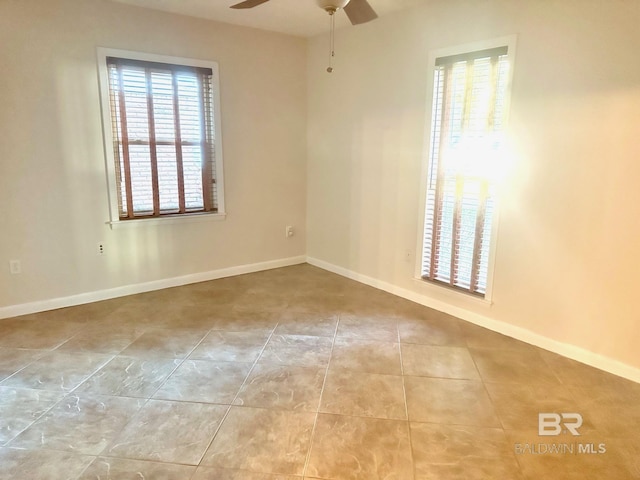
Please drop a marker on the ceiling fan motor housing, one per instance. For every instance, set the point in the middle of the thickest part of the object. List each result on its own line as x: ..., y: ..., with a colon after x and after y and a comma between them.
x: 332, y: 5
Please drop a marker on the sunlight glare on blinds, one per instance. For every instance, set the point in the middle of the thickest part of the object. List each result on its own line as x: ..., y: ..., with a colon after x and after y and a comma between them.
x: 467, y: 119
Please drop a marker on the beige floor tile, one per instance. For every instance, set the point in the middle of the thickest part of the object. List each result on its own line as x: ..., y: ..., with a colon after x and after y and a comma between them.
x: 20, y: 407
x: 192, y: 316
x: 210, y: 473
x: 312, y: 303
x: 139, y: 312
x: 41, y: 464
x: 472, y: 395
x: 104, y: 468
x: 432, y: 442
x: 130, y: 376
x: 204, y: 381
x: 57, y: 371
x: 364, y: 301
x: 103, y: 339
x: 223, y: 346
x: 604, y: 406
x: 572, y: 467
x: 364, y: 395
x: 283, y: 387
x: 626, y: 449
x: 479, y: 337
x: 356, y: 448
x: 574, y: 373
x: 81, y: 423
x: 512, y: 366
x: 300, y: 350
x: 431, y: 331
x: 242, y: 321
x: 443, y: 400
x: 471, y: 468
x: 518, y: 405
x: 258, y: 299
x: 35, y: 335
x: 438, y: 361
x: 262, y: 441
x: 408, y: 310
x: 211, y: 293
x: 366, y: 356
x: 380, y: 329
x: 292, y: 322
x: 172, y: 432
x: 14, y: 359
x: 160, y: 343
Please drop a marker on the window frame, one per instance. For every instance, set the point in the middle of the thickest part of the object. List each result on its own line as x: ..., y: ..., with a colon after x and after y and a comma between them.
x: 437, y: 287
x: 114, y: 216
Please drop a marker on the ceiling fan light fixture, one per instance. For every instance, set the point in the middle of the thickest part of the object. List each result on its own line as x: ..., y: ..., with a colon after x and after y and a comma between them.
x: 332, y: 6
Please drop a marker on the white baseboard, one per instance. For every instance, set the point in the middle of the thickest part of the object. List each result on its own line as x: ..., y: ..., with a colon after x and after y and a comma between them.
x: 96, y: 296
x: 574, y: 352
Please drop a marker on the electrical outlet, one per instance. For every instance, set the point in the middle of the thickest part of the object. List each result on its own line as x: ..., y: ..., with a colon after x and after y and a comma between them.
x: 15, y: 267
x: 289, y: 232
x: 100, y: 250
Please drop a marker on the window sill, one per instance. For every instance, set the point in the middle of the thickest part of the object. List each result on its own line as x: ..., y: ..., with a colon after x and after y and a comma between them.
x: 452, y: 293
x: 168, y: 220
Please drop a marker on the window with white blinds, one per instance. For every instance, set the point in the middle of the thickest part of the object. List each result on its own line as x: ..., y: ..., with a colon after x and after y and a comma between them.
x: 466, y: 138
x: 163, y: 132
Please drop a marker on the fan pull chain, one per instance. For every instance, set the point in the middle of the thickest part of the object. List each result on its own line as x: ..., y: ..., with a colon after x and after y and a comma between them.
x: 332, y: 52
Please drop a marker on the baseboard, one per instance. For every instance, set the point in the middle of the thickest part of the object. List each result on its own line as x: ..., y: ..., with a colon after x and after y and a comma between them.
x: 96, y: 296
x: 567, y: 350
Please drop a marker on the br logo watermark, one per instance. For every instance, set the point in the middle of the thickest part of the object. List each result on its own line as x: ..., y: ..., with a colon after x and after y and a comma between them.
x: 552, y: 424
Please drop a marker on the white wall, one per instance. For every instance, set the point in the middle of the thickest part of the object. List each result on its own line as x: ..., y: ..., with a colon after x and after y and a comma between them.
x: 568, y: 251
x: 53, y: 193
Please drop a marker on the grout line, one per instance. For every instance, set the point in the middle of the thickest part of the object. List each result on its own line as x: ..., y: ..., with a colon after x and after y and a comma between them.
x: 144, y: 400
x: 47, y: 352
x: 65, y: 394
x: 512, y: 454
x: 226, y: 413
x: 186, y: 357
x: 324, y: 382
x: 406, y: 404
x: 86, y: 468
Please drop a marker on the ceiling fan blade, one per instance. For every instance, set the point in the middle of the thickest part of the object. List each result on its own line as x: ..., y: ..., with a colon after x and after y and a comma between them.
x: 249, y: 4
x: 359, y: 11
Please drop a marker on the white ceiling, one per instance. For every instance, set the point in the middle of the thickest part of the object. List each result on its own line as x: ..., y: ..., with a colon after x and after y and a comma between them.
x: 295, y: 17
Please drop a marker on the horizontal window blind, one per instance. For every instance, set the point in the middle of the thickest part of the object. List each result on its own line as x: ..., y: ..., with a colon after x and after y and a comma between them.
x: 466, y: 136
x: 163, y: 130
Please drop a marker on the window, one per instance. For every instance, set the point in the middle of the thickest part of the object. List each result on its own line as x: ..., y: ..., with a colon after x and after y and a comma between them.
x: 164, y: 136
x: 466, y: 139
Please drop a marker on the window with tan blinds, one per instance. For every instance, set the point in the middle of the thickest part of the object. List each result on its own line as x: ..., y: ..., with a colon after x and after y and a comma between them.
x: 466, y: 139
x: 163, y: 128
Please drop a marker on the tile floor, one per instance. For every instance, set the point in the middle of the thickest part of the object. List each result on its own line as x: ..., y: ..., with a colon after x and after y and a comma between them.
x: 289, y: 374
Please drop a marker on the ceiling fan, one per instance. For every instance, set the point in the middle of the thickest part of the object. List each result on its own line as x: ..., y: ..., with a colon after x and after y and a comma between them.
x: 358, y: 11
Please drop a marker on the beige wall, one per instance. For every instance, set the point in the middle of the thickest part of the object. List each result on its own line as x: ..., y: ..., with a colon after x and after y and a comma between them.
x: 568, y: 249
x: 53, y: 194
